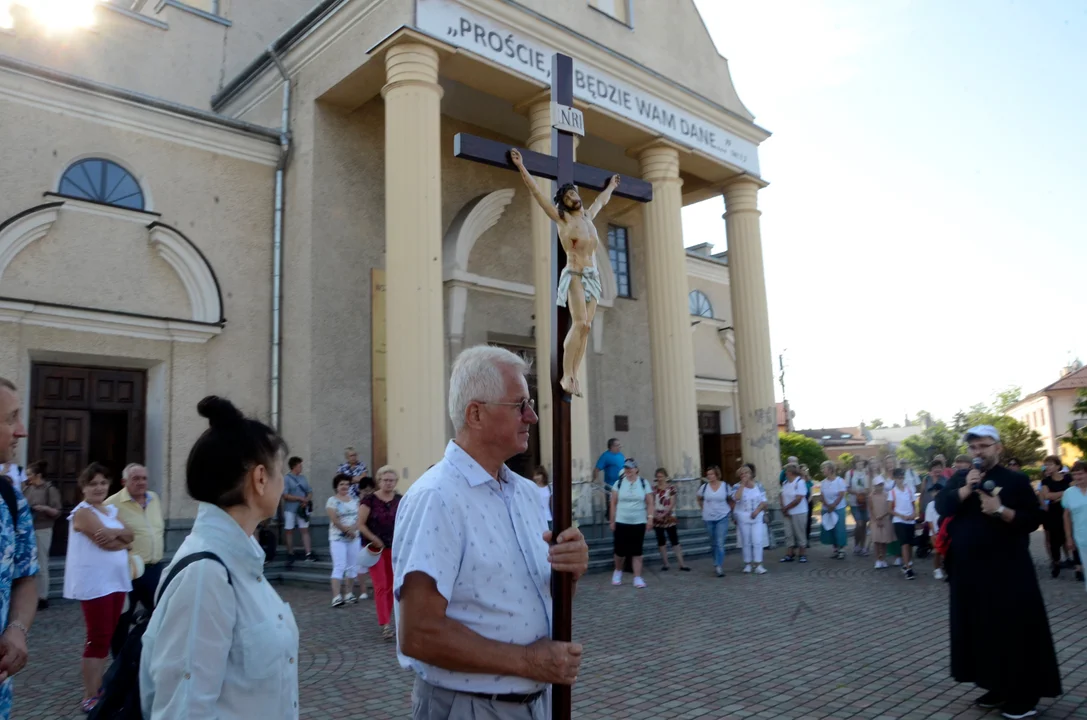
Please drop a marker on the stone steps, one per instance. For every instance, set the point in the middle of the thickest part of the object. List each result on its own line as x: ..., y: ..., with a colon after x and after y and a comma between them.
x: 694, y: 540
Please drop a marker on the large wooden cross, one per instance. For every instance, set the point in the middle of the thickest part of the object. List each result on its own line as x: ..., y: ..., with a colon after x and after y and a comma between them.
x: 561, y: 168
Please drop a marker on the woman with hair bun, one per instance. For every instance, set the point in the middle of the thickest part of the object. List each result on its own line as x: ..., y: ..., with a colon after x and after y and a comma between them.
x: 221, y: 643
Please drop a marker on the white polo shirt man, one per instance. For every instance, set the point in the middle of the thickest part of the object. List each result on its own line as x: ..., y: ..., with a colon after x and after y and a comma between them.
x: 481, y: 541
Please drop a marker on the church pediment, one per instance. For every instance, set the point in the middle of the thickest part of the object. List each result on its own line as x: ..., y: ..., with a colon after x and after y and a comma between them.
x: 113, y: 264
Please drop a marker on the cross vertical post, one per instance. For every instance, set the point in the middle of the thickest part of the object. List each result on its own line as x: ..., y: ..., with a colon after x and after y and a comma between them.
x: 559, y: 167
x: 562, y: 590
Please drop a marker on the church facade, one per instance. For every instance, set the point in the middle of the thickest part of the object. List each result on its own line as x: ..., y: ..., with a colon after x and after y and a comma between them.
x: 260, y: 200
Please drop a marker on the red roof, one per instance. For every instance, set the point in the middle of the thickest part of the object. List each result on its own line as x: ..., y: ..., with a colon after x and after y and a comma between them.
x: 1071, y: 381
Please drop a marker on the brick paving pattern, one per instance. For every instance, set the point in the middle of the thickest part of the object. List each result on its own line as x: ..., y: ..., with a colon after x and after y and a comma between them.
x: 830, y: 639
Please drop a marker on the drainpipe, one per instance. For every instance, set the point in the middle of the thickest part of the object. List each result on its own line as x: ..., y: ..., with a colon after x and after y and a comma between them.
x: 277, y: 242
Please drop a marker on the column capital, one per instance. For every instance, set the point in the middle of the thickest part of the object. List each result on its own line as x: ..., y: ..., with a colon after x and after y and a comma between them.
x: 741, y: 195
x: 659, y: 161
x: 411, y: 61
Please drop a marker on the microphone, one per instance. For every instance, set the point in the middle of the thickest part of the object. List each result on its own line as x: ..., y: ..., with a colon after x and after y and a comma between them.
x: 988, y: 486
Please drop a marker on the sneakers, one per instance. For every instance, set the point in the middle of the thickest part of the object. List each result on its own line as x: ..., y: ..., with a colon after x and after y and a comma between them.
x: 760, y: 570
x: 787, y: 558
x: 363, y: 596
x: 337, y: 601
x: 881, y: 565
x: 638, y: 582
x: 898, y: 562
x: 989, y: 700
x: 938, y: 574
x: 909, y: 573
x: 311, y: 558
x: 864, y: 552
x: 684, y: 568
x: 617, y: 577
x: 803, y: 558
x: 1019, y: 710
x: 350, y: 599
x: 747, y: 569
x: 718, y: 571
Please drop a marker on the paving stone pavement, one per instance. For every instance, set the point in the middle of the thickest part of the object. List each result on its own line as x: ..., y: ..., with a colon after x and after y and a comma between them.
x: 830, y: 639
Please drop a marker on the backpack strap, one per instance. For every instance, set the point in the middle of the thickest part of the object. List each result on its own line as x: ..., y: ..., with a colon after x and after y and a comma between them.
x: 7, y: 489
x: 184, y: 563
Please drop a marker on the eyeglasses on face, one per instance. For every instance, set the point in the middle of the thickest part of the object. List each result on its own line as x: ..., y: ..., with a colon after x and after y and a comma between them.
x: 978, y: 447
x: 523, y: 405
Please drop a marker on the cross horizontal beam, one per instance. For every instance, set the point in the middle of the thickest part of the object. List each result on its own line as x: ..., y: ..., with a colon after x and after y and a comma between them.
x: 497, y: 154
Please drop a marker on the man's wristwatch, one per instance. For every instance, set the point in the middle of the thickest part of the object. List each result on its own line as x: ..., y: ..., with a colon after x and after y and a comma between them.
x: 999, y: 511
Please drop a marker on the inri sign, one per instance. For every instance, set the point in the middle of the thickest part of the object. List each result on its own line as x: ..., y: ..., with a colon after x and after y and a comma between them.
x: 564, y: 117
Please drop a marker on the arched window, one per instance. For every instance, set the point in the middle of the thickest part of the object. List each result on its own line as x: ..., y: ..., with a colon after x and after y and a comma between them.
x: 699, y: 304
x: 102, y: 181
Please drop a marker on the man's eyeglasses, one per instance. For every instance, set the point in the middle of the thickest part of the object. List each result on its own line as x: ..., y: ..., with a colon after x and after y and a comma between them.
x: 977, y: 447
x: 523, y: 405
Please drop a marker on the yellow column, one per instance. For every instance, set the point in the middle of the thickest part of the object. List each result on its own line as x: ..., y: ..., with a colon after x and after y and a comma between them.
x: 413, y: 260
x: 675, y: 411
x: 539, y: 140
x: 754, y: 364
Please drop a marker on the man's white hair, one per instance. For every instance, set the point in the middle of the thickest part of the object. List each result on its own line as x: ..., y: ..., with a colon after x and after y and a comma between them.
x: 128, y: 470
x: 477, y: 377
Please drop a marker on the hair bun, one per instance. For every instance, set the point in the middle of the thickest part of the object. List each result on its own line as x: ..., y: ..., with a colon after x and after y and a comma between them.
x: 220, y: 412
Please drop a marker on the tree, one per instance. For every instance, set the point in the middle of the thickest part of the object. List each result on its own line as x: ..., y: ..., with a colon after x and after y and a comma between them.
x: 924, y: 417
x: 845, y: 461
x: 809, y: 452
x: 958, y: 422
x: 1077, y: 438
x: 875, y: 424
x: 938, y: 439
x: 1003, y: 400
x: 1019, y: 440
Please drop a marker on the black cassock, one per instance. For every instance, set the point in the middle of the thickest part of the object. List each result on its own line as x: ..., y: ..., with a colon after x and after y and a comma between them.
x: 1000, y: 638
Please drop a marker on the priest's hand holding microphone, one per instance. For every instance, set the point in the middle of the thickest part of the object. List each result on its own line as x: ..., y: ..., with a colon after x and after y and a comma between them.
x: 987, y: 491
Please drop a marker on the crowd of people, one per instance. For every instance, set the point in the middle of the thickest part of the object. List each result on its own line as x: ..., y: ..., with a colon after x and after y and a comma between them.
x: 217, y: 641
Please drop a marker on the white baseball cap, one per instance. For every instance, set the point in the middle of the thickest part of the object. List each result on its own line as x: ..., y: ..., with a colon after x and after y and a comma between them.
x: 980, y: 431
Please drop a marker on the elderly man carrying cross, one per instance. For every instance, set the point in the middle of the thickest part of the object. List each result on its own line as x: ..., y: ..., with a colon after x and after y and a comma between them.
x: 472, y: 561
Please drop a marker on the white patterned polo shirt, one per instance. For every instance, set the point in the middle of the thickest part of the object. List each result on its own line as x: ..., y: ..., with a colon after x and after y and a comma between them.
x: 481, y: 541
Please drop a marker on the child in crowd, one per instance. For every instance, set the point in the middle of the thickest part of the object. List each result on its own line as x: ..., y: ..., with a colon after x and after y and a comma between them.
x: 904, y: 518
x: 932, y: 522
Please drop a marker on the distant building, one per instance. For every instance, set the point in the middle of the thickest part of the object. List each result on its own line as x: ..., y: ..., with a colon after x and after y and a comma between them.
x: 1049, y: 410
x: 841, y: 440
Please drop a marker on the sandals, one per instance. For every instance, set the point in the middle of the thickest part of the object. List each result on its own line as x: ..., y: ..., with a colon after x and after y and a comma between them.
x: 387, y: 632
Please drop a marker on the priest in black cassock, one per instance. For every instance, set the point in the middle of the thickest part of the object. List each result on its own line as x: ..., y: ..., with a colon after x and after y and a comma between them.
x: 1000, y: 637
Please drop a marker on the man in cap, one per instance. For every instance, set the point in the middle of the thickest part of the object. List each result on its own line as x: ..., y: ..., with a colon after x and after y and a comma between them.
x: 1000, y: 637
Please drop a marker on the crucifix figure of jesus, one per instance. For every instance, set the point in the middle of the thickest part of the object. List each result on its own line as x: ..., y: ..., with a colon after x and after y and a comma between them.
x: 579, y: 285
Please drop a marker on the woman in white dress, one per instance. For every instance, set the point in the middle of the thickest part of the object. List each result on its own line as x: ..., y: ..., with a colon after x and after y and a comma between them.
x: 750, y: 523
x: 543, y: 488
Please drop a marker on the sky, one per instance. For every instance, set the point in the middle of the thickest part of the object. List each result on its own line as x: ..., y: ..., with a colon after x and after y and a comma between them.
x: 925, y: 228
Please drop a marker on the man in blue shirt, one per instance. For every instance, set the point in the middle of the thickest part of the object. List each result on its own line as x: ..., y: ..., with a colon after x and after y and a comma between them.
x: 18, y: 555
x: 611, y: 462
x: 296, y: 493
